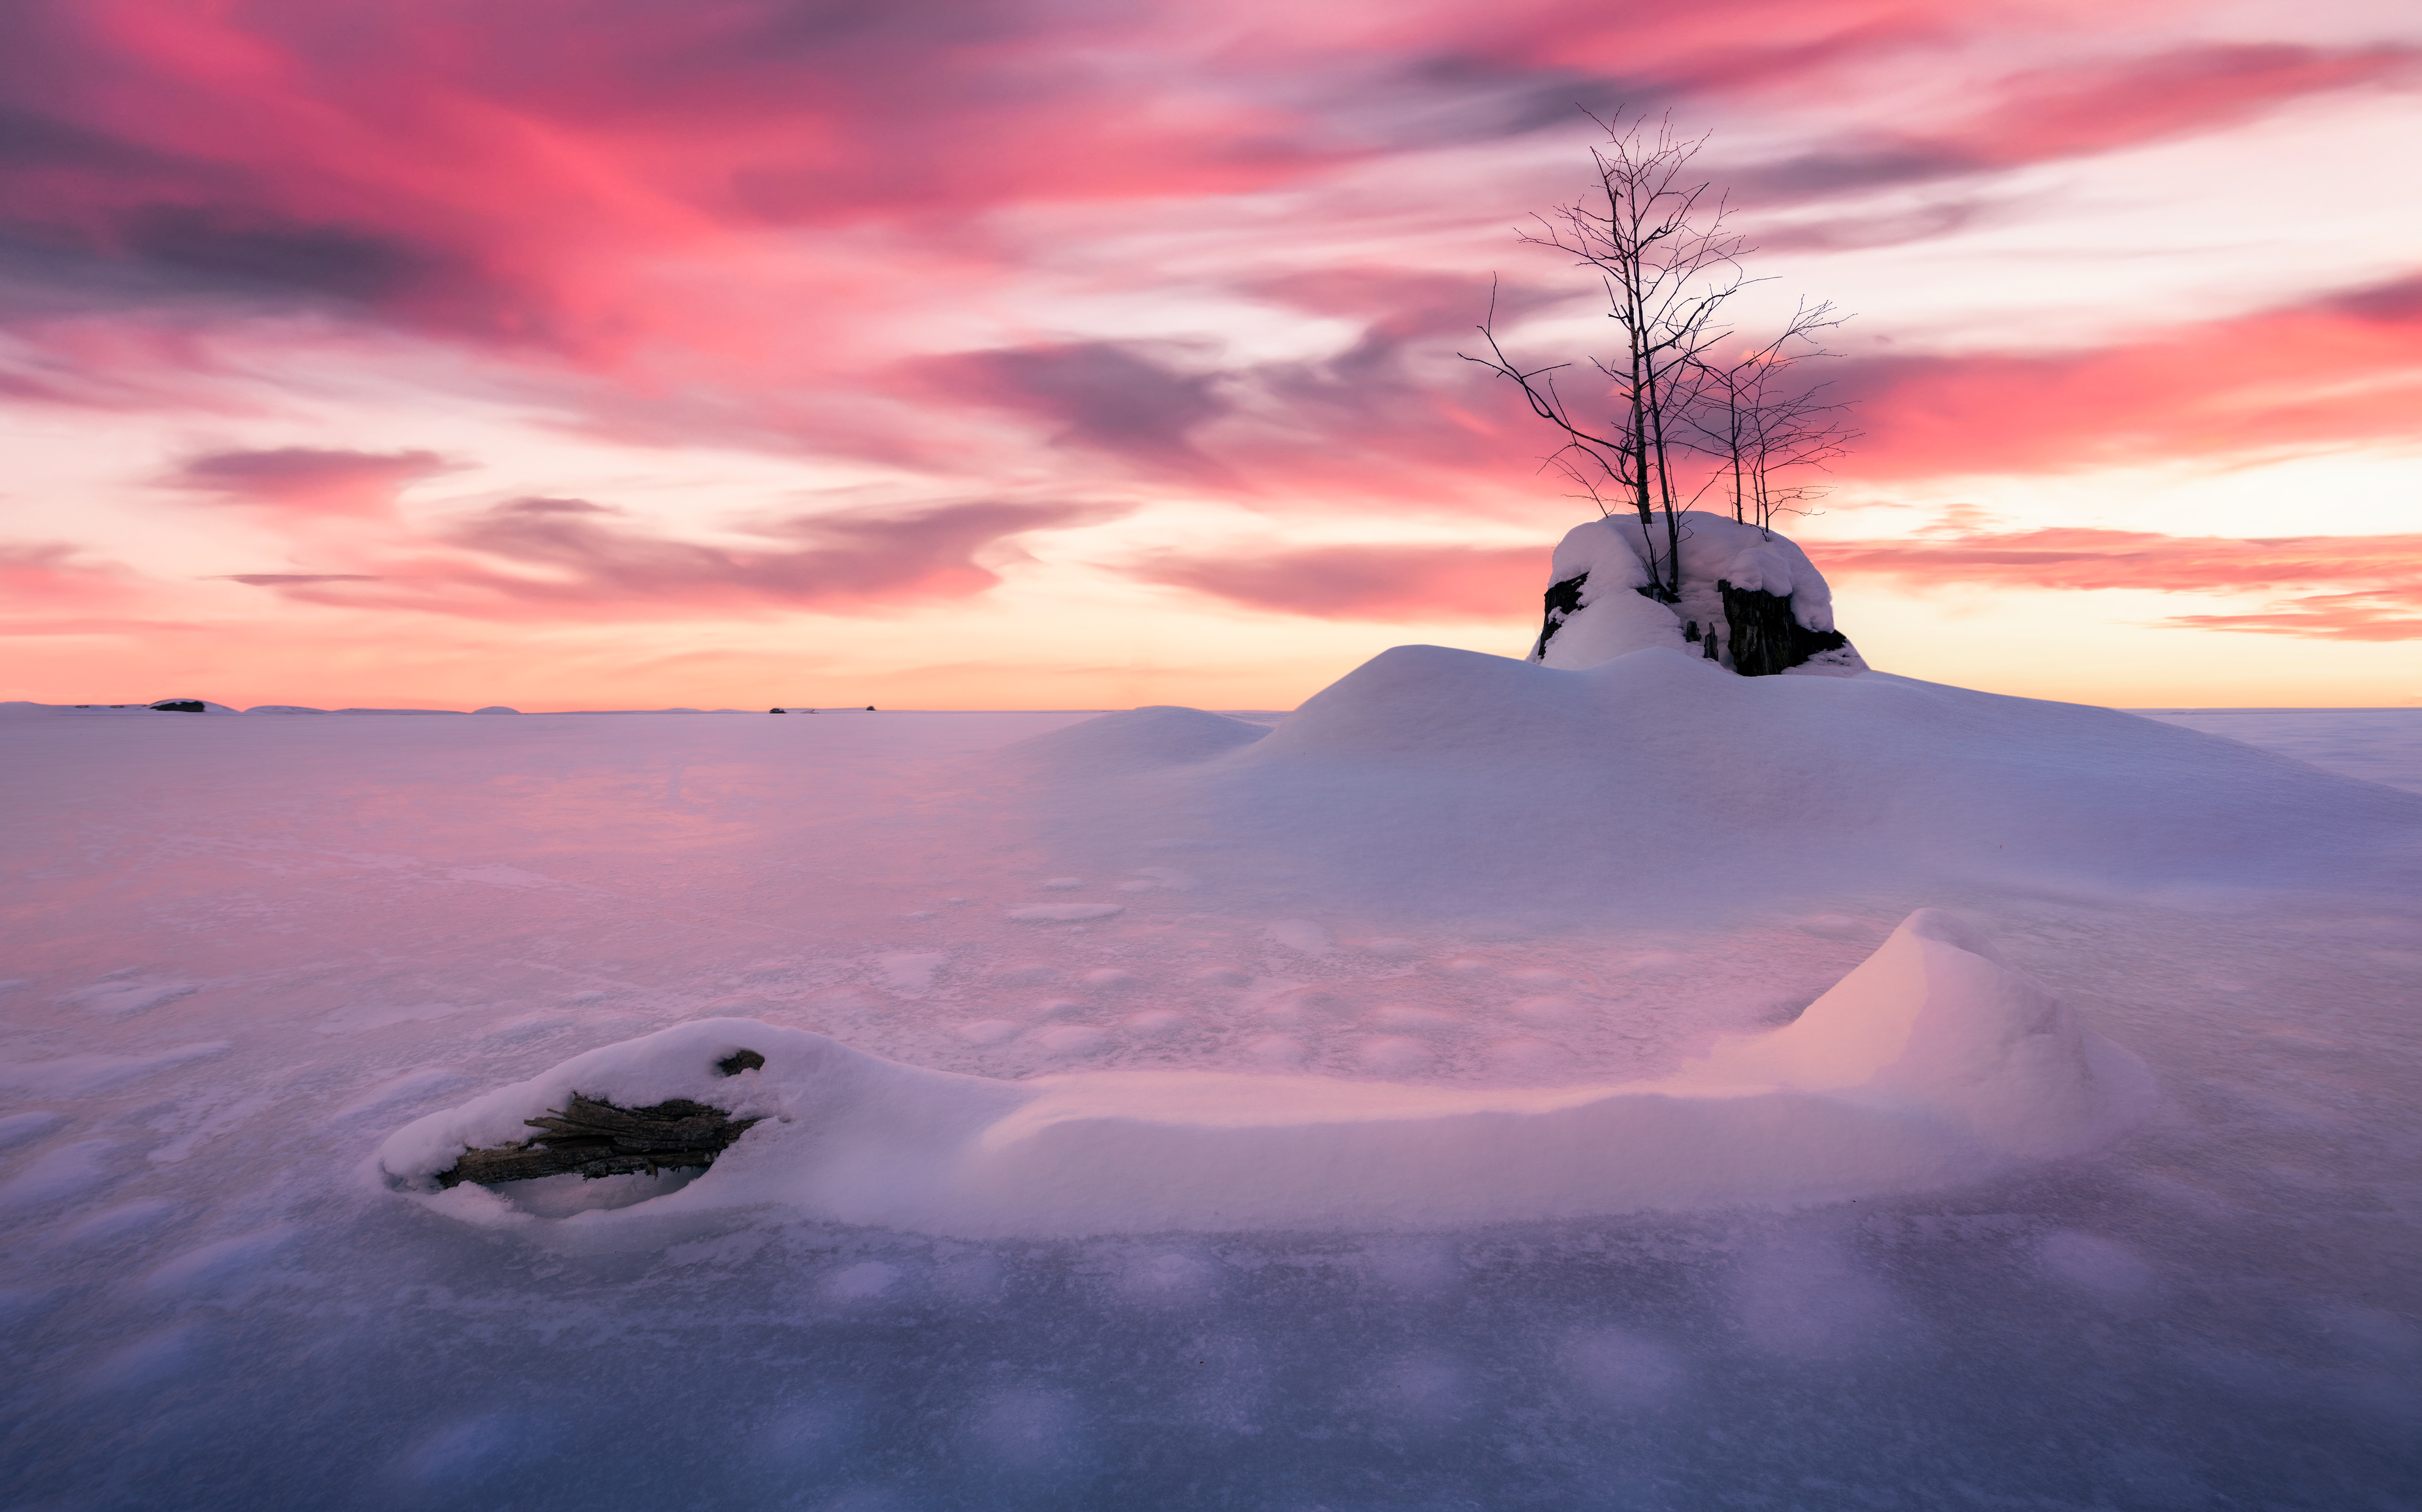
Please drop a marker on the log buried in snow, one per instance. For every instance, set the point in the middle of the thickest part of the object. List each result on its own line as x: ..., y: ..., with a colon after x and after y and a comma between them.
x: 592, y: 1138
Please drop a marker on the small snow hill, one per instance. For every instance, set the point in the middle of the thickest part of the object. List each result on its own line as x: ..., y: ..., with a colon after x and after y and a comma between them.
x: 1436, y: 778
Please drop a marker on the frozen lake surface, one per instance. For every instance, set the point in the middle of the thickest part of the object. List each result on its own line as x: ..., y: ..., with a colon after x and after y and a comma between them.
x: 246, y: 951
x: 2377, y: 744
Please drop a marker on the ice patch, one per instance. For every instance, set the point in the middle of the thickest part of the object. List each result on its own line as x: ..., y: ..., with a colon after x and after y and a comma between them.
x: 906, y: 972
x: 1301, y: 936
x: 1070, y: 1040
x: 1276, y: 1049
x: 1814, y: 1300
x: 500, y: 876
x: 1930, y: 1065
x: 114, y: 1223
x: 1622, y: 1370
x: 220, y: 1266
x: 17, y: 1129
x: 361, y: 1017
x: 1025, y: 1430
x: 1529, y: 1057
x: 1395, y: 1055
x: 147, y: 1361
x: 1403, y: 1021
x: 859, y: 1283
x: 1169, y: 1277
x: 125, y: 992
x: 2095, y: 1262
x: 75, y: 1076
x: 462, y: 1449
x: 413, y: 1086
x: 1065, y: 913
x: 69, y: 1171
x: 1547, y: 1010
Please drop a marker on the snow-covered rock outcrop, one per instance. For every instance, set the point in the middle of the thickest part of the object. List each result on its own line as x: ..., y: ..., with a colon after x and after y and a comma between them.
x: 1751, y: 599
x: 1930, y: 1064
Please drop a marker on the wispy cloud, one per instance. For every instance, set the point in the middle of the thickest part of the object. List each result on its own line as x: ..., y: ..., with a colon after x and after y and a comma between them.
x: 308, y: 480
x: 2353, y: 588
x: 1368, y: 582
x: 2344, y: 368
x: 533, y: 559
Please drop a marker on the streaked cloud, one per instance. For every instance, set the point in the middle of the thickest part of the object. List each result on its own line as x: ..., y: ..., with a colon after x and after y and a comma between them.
x: 2330, y: 588
x: 308, y: 480
x: 535, y: 558
x: 1367, y: 582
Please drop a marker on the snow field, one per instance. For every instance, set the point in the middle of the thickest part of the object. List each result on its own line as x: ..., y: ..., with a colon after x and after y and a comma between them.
x: 246, y: 953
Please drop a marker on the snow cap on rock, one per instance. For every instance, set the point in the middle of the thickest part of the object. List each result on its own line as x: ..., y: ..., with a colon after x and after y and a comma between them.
x: 1603, y: 615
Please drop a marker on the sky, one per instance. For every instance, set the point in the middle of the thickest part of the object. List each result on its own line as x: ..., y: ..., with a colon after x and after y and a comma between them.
x: 1061, y: 354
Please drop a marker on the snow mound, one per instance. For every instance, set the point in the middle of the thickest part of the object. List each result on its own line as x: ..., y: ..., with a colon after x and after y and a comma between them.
x: 1596, y: 612
x: 1156, y: 736
x: 1931, y: 1063
x: 1434, y: 777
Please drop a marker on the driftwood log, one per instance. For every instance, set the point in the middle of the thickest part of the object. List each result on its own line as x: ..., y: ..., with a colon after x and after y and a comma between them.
x: 592, y: 1138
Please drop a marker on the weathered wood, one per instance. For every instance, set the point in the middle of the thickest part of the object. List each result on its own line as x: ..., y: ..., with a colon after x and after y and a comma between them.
x: 1765, y: 639
x: 594, y: 1138
x: 1563, y: 601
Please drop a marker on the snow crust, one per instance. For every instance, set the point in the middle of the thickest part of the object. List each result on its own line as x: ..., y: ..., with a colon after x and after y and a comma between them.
x: 1613, y: 620
x: 1932, y: 1062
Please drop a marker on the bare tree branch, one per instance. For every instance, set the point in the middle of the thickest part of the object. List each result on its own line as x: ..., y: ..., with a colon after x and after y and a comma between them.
x: 1669, y: 265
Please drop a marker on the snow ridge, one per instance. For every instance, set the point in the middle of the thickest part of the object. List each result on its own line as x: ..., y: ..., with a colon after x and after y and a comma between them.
x: 1930, y: 1064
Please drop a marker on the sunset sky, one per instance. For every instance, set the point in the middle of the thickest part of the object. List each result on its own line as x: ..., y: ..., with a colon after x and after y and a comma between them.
x: 1061, y: 354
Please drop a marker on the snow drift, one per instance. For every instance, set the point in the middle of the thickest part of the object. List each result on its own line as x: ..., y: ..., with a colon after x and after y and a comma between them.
x: 1932, y: 1062
x: 1436, y: 779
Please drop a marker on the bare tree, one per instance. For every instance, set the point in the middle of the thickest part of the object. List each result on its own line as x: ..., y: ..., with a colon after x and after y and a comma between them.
x: 1759, y: 418
x: 1668, y: 264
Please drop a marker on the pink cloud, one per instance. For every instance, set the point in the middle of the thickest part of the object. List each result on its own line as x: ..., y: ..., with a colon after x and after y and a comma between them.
x: 53, y: 570
x: 2100, y: 104
x: 2087, y: 105
x: 307, y: 480
x: 567, y: 559
x: 1373, y: 582
x: 54, y: 589
x: 2345, y: 369
x: 2363, y: 587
